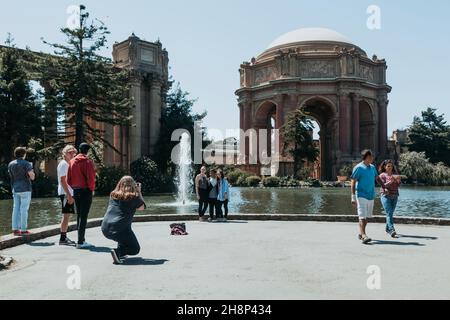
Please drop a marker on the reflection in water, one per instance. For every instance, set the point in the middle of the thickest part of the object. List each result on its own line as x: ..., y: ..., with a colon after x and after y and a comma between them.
x: 420, y: 201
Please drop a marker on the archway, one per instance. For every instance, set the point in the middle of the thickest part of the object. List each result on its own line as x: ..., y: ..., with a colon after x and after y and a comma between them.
x: 366, y: 126
x: 321, y: 111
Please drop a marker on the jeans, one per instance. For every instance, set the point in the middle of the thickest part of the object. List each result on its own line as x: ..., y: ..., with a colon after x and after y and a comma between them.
x: 83, y: 201
x: 212, y: 207
x: 389, y: 205
x: 225, y: 206
x: 21, y: 206
x: 128, y: 244
x: 202, y: 203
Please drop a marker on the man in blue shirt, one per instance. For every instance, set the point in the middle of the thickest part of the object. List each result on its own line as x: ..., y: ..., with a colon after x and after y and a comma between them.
x: 364, y: 178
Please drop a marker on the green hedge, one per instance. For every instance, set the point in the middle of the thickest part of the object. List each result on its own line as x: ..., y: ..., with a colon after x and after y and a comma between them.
x: 5, y: 190
x: 253, y: 181
x: 44, y: 186
x: 271, y: 182
x: 145, y: 171
x: 107, y: 179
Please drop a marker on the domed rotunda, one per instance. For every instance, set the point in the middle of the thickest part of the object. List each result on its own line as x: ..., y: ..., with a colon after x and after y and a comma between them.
x: 328, y: 77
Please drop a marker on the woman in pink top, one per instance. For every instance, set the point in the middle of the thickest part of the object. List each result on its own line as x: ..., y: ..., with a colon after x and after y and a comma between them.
x: 389, y: 193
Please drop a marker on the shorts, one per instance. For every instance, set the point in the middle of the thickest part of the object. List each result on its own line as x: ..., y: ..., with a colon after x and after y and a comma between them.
x: 65, y: 206
x: 365, y: 208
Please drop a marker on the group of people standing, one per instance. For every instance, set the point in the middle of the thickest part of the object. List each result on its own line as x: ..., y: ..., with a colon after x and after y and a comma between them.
x: 76, y: 186
x: 364, y: 179
x: 212, y: 192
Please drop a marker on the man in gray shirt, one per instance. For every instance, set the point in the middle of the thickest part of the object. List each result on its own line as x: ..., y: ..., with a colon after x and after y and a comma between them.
x: 21, y: 174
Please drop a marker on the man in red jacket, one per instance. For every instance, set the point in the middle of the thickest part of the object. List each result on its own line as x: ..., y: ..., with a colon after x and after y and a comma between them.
x: 81, y: 178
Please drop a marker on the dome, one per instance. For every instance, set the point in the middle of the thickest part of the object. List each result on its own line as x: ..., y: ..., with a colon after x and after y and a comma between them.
x: 309, y: 35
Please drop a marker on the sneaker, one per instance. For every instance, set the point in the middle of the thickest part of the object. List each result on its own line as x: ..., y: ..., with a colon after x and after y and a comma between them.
x: 224, y: 220
x: 67, y: 242
x: 115, y: 256
x: 16, y: 233
x: 393, y: 234
x: 85, y: 245
x: 25, y: 233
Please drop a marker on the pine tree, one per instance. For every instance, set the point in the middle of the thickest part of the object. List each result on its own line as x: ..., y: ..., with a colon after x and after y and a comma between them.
x: 85, y: 86
x: 298, y: 139
x: 20, y: 111
x: 430, y: 133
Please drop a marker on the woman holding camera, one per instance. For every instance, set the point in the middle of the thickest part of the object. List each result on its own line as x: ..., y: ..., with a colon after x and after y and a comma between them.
x: 124, y: 201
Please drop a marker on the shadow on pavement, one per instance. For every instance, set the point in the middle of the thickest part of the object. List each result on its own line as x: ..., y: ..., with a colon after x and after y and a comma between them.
x: 396, y: 243
x: 41, y: 244
x: 100, y: 249
x: 417, y: 237
x: 143, y: 262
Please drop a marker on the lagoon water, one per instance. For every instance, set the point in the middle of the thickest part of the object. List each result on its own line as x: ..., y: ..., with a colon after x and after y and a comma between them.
x: 414, y: 201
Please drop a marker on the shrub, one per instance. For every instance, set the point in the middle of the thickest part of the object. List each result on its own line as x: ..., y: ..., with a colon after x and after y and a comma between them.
x: 416, y: 167
x: 145, y: 171
x: 107, y: 179
x: 346, y: 171
x: 271, y: 182
x: 253, y: 181
x: 441, y: 174
x: 5, y: 189
x: 304, y: 173
x: 233, y: 176
x: 241, y: 181
x: 44, y: 186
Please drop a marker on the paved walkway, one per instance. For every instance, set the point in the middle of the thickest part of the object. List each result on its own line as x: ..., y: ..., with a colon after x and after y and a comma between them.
x: 240, y: 260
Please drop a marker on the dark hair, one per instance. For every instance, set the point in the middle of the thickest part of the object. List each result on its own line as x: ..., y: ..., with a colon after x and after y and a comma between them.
x: 20, y: 152
x: 212, y: 171
x: 383, y: 165
x: 366, y: 153
x: 84, y: 148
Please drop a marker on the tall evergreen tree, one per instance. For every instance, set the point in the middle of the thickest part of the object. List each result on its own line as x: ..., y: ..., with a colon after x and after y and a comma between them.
x: 20, y: 111
x: 430, y: 133
x: 298, y: 139
x: 85, y: 86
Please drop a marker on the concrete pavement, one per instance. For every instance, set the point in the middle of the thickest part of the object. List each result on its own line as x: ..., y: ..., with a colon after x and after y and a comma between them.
x: 239, y: 260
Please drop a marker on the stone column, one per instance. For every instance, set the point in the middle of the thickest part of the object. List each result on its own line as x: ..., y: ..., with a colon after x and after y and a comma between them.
x: 382, y: 124
x: 155, y: 115
x: 108, y: 152
x: 241, y: 117
x: 355, y: 124
x: 135, y: 129
x: 344, y: 123
x: 247, y: 125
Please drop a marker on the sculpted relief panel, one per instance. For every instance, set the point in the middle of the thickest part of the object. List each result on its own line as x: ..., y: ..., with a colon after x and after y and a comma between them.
x: 366, y: 72
x: 266, y: 74
x: 318, y: 69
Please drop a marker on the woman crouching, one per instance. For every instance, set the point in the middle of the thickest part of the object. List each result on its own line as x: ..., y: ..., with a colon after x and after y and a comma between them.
x: 116, y: 226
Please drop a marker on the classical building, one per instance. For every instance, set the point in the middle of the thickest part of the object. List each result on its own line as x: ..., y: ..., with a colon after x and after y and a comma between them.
x: 330, y: 79
x: 147, y: 63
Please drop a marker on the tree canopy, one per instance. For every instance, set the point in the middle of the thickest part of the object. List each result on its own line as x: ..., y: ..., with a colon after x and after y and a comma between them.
x: 430, y: 133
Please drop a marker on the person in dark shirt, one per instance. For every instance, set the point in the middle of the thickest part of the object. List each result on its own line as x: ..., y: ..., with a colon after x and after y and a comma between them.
x: 124, y: 201
x: 21, y: 174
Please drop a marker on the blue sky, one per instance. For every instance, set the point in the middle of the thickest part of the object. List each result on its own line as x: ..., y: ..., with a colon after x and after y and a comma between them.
x: 207, y: 41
